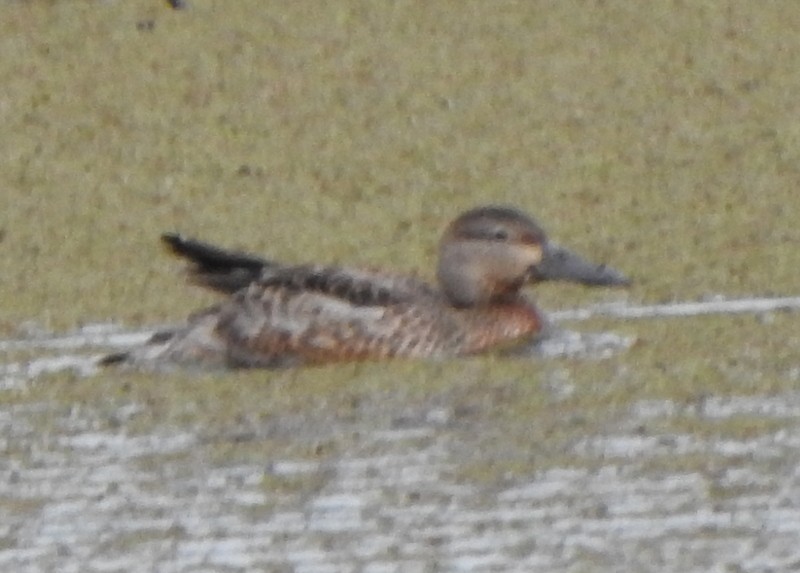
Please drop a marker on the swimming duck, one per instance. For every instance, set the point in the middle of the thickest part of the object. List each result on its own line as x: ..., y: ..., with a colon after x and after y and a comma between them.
x: 278, y: 315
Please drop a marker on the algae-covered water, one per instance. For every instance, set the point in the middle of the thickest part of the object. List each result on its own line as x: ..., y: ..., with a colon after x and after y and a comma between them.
x: 659, y: 137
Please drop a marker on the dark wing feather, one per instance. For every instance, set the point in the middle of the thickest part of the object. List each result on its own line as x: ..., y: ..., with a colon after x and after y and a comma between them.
x: 213, y: 267
x: 359, y: 287
x: 229, y: 271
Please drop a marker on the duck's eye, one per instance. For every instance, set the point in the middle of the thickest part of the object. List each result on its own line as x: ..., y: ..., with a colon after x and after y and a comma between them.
x: 500, y: 235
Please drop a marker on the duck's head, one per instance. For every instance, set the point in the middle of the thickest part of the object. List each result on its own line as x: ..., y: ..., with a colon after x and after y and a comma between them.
x: 487, y: 254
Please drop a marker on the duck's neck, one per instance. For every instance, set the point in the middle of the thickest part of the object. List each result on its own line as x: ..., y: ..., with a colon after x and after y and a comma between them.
x: 494, y: 325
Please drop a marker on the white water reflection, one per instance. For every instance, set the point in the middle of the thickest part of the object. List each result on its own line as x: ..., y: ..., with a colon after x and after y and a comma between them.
x: 80, y: 351
x: 83, y: 500
x: 76, y: 496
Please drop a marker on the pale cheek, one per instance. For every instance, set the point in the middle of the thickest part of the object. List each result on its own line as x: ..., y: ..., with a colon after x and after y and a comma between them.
x: 523, y: 259
x: 533, y: 255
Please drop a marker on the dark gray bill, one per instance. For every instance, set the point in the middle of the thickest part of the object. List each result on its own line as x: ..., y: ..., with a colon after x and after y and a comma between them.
x: 560, y: 264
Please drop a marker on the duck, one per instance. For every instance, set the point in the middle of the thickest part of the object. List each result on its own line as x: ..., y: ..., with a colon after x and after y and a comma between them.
x: 276, y: 315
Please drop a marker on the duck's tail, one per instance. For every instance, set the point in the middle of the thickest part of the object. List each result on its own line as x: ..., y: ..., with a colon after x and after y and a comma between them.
x: 156, y: 345
x: 194, y: 345
x: 214, y: 267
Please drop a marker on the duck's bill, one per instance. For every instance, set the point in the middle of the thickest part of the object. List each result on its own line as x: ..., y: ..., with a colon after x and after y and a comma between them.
x: 561, y: 264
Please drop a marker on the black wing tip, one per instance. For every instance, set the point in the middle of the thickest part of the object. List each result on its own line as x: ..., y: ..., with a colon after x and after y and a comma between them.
x: 210, y: 256
x: 171, y: 237
x: 175, y: 242
x: 214, y: 267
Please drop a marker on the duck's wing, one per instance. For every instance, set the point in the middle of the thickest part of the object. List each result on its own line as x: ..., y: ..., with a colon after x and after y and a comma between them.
x: 229, y: 271
x: 352, y: 286
x: 216, y: 268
